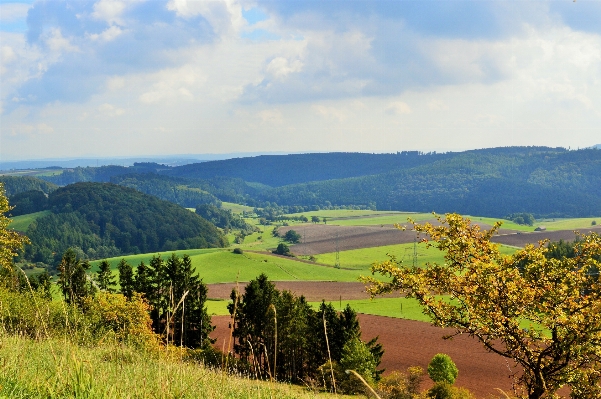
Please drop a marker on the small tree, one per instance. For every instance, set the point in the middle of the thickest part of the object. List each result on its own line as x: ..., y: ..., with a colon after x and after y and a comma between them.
x: 495, y: 295
x: 73, y: 280
x: 314, y: 219
x: 442, y: 369
x: 292, y: 237
x: 282, y: 249
x: 105, y: 277
x: 126, y: 278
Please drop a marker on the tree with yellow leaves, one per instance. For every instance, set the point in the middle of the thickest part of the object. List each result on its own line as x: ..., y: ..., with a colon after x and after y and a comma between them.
x: 542, y: 312
x: 10, y: 241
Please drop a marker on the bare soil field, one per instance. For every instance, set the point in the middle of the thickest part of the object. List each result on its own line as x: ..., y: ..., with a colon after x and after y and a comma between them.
x: 322, y: 238
x: 412, y: 343
x: 313, y: 291
x: 522, y: 239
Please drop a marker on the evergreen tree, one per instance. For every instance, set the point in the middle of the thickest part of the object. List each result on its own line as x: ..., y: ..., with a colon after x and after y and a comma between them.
x: 105, y: 277
x: 126, y: 278
x: 72, y: 278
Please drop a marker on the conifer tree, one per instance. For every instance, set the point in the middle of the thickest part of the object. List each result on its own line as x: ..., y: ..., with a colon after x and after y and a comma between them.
x: 126, y: 278
x: 72, y: 278
x: 105, y: 277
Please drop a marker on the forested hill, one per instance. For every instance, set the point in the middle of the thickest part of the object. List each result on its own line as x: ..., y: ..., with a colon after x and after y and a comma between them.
x: 281, y: 170
x: 20, y: 184
x: 541, y: 182
x: 103, y: 219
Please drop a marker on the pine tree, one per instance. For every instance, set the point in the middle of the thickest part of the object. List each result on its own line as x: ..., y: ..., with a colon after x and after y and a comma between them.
x: 72, y: 278
x: 105, y: 277
x: 126, y: 278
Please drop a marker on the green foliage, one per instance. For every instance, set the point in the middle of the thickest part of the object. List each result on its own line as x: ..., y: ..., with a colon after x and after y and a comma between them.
x: 238, y: 251
x: 397, y: 385
x: 73, y: 281
x: 20, y: 184
x: 105, y: 278
x: 293, y: 335
x: 105, y: 220
x: 356, y: 356
x: 223, y: 218
x: 292, y: 237
x: 444, y: 390
x: 522, y: 218
x: 282, y: 249
x: 28, y: 202
x: 126, y: 278
x: 442, y: 369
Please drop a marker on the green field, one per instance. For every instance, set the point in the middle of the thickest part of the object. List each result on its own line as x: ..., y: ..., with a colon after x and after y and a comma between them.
x: 220, y: 266
x: 569, y: 224
x: 348, y: 213
x: 382, y: 220
x: 363, y: 258
x: 21, y: 223
x: 404, y: 308
x: 236, y: 208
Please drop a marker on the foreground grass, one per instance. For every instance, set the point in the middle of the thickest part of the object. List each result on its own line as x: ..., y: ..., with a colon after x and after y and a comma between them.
x: 59, y: 369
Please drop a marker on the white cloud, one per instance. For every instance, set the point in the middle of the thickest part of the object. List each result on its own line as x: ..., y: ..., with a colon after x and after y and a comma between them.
x: 110, y: 110
x: 330, y: 112
x: 59, y: 44
x: 225, y: 16
x: 398, y: 108
x: 280, y: 67
x: 171, y: 84
x: 107, y: 35
x: 109, y: 11
x: 11, y: 12
x: 31, y: 130
x: 271, y: 116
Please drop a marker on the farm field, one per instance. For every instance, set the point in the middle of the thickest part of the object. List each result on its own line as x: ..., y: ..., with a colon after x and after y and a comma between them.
x: 236, y: 208
x: 520, y: 240
x: 219, y: 266
x: 22, y: 222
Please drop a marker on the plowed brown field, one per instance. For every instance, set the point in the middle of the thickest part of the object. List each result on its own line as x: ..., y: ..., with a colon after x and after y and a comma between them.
x: 413, y: 343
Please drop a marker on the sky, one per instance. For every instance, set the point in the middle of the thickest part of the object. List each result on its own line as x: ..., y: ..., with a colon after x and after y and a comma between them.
x: 112, y: 78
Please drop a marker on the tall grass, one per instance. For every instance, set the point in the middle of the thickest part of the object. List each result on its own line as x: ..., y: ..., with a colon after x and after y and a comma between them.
x: 56, y: 368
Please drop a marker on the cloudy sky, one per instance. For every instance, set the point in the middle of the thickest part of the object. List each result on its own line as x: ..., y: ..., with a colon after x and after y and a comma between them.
x: 146, y: 77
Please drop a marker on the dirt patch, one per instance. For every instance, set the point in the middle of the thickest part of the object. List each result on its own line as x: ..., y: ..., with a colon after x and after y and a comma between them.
x: 320, y: 238
x: 522, y: 239
x: 312, y: 290
x: 412, y: 343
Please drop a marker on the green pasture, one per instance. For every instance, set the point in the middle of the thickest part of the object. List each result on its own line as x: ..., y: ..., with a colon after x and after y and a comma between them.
x: 381, y: 219
x: 346, y: 213
x: 220, y: 266
x: 236, y: 208
x: 363, y: 258
x: 568, y: 224
x: 135, y: 260
x: 21, y: 223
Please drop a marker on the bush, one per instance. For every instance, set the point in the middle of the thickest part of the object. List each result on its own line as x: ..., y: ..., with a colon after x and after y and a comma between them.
x: 444, y: 390
x: 282, y: 249
x: 292, y: 237
x: 442, y: 369
x: 594, y: 223
x: 238, y: 251
x: 398, y: 385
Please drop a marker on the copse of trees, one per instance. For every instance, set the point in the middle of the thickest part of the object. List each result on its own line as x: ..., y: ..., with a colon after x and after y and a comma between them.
x: 281, y: 337
x: 176, y: 296
x: 223, y: 218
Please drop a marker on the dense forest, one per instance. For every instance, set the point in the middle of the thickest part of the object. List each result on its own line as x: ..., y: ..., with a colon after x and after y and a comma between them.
x: 494, y: 182
x: 19, y: 184
x: 102, y: 219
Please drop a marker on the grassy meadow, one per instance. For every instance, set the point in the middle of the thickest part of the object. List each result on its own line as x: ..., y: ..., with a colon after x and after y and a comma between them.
x: 21, y: 223
x: 56, y: 369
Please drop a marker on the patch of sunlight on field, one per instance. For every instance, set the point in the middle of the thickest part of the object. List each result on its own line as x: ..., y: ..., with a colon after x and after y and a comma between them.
x: 217, y: 308
x: 22, y: 222
x: 236, y: 208
x: 403, y: 308
x: 382, y: 220
x: 569, y: 224
x: 221, y: 267
x: 363, y: 258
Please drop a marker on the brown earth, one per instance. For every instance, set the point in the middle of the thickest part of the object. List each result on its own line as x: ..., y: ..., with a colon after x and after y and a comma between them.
x: 312, y: 290
x: 412, y: 343
x: 321, y: 238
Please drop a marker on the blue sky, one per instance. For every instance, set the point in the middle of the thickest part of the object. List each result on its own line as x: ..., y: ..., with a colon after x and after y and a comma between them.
x: 146, y: 77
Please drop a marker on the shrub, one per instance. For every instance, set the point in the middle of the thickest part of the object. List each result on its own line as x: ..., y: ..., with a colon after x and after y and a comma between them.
x: 444, y: 390
x: 594, y: 223
x: 238, y: 251
x: 442, y: 369
x: 282, y: 249
x: 399, y: 385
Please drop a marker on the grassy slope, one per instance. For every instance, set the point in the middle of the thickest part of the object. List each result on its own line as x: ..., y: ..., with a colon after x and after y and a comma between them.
x: 56, y: 369
x: 236, y: 208
x: 21, y: 223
